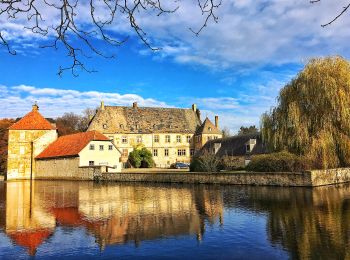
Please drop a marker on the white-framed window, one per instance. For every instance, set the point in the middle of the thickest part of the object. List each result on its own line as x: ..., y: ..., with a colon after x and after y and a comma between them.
x: 167, y: 138
x: 91, y: 163
x: 156, y: 138
x: 181, y: 152
x: 139, y: 139
x: 178, y: 138
x: 166, y: 152
x: 110, y: 147
x: 191, y: 152
x: 104, y: 126
x: 124, y: 139
x: 22, y: 150
x: 155, y: 152
x: 101, y: 147
x: 188, y: 139
x: 247, y: 147
x: 92, y: 147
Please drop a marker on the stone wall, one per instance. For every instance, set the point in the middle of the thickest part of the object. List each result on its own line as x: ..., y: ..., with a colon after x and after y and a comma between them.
x: 306, y: 179
x: 64, y: 169
x: 331, y: 176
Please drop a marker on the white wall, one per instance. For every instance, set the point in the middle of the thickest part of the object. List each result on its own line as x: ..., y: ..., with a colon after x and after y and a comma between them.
x: 105, y: 157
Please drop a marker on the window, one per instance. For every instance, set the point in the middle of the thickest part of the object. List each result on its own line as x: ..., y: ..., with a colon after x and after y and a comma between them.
x: 155, y: 152
x: 139, y: 139
x: 215, y: 137
x: 156, y: 138
x: 110, y: 147
x: 92, y: 147
x: 166, y: 152
x: 192, y: 152
x: 209, y: 129
x: 22, y: 136
x: 181, y: 152
x: 188, y: 138
x: 91, y: 163
x: 198, y: 138
x: 178, y: 138
x: 101, y: 147
x: 104, y: 126
x: 167, y: 138
x: 124, y: 139
x: 21, y: 150
x: 125, y: 153
x: 247, y: 148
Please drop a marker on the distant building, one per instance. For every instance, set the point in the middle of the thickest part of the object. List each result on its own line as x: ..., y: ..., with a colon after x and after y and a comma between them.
x: 171, y: 134
x: 240, y: 147
x: 70, y: 152
x: 27, y: 138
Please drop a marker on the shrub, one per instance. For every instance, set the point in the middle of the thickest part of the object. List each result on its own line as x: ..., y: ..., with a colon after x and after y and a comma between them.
x: 278, y: 162
x: 232, y: 163
x: 205, y: 163
x: 141, y: 158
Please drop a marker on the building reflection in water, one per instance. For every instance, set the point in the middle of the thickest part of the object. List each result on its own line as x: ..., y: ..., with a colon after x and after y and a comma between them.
x: 113, y: 213
x: 308, y: 223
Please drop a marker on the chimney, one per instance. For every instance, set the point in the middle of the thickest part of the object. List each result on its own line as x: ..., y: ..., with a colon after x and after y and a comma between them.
x: 134, y: 105
x: 194, y: 107
x: 35, y: 107
x: 102, y: 105
x: 217, y: 121
x: 198, y: 112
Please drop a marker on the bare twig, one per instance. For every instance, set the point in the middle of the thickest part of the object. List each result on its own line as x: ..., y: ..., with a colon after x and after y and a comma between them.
x: 345, y: 8
x: 66, y: 32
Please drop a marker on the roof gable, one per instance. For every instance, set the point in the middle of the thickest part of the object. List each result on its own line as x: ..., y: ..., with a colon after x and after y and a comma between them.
x: 208, y: 128
x: 118, y: 119
x: 71, y: 145
x: 32, y: 121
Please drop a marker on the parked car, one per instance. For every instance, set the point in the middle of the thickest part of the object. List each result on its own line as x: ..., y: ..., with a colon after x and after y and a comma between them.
x: 180, y: 165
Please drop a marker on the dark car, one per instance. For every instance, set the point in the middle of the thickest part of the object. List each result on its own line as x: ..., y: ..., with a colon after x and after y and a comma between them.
x: 180, y: 165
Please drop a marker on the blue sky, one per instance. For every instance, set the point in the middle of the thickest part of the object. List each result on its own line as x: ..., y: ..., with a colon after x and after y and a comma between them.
x: 234, y: 69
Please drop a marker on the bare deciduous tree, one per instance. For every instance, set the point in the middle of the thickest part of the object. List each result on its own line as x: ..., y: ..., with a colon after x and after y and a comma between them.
x: 67, y: 31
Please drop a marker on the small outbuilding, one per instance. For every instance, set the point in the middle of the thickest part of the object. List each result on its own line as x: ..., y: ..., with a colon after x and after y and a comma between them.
x: 239, y: 148
x: 73, y: 156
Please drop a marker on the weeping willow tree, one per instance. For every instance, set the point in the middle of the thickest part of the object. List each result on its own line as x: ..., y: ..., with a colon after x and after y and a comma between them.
x: 312, y: 116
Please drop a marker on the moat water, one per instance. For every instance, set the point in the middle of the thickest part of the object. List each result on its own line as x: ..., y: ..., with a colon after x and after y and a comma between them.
x: 89, y: 220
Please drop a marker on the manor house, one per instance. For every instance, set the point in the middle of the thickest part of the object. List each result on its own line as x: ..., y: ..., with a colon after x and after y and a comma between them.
x: 171, y: 134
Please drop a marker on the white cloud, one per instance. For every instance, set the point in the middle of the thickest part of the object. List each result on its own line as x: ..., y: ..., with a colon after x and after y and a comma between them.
x: 248, y: 32
x: 245, y: 109
x: 17, y: 100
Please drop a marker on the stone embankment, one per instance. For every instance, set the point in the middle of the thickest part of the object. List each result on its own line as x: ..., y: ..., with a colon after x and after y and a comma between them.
x: 306, y: 179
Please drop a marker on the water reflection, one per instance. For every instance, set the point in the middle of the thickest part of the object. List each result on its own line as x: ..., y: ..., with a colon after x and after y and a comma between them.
x: 113, y: 214
x: 307, y: 223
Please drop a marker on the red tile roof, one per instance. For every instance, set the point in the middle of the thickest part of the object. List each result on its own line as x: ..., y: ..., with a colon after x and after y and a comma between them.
x: 71, y: 145
x: 32, y: 121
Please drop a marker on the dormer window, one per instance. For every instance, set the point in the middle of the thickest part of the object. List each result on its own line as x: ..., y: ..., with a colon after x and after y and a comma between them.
x: 104, y: 126
x: 121, y: 126
x: 209, y: 129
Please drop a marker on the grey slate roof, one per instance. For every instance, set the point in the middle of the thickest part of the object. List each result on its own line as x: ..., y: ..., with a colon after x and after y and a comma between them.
x: 235, y: 145
x: 119, y: 119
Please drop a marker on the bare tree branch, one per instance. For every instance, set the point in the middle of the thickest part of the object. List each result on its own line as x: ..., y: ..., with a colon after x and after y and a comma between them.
x: 68, y: 32
x: 345, y: 8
